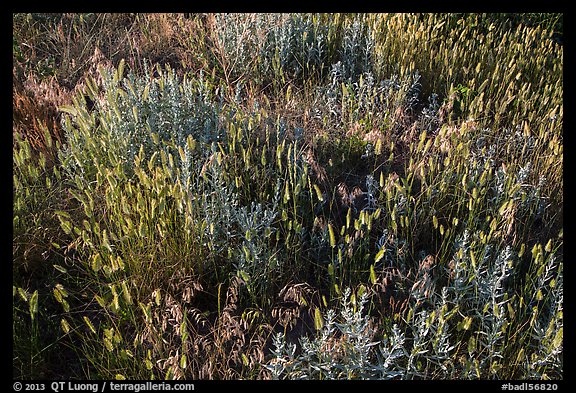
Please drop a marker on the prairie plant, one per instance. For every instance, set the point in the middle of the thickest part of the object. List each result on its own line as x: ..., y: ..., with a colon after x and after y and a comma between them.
x: 416, y: 158
x: 341, y: 349
x: 359, y: 98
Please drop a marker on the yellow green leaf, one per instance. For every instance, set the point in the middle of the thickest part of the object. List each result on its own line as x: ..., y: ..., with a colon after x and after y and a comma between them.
x: 65, y: 325
x: 332, y: 236
x: 372, y: 275
x: 318, y: 321
x: 318, y: 193
x: 558, y: 338
x: 33, y: 305
x: 89, y: 324
x: 379, y: 256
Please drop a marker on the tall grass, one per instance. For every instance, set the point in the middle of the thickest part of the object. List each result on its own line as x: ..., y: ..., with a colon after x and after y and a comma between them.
x: 299, y: 196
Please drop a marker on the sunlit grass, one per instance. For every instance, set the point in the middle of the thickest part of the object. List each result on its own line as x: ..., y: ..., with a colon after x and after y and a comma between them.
x: 297, y: 196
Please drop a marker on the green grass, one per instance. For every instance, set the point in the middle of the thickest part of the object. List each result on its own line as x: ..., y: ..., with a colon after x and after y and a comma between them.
x: 289, y: 196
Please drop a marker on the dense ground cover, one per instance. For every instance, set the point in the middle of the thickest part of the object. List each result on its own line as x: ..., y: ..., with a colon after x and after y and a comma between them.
x: 225, y: 196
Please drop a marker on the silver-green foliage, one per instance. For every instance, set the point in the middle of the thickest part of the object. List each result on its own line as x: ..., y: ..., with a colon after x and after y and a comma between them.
x: 275, y: 46
x: 140, y: 117
x: 350, y: 98
x: 341, y: 349
x: 135, y: 111
x: 473, y: 312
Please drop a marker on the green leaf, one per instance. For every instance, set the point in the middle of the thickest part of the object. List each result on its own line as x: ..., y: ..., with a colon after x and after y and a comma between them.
x: 548, y: 246
x: 157, y: 297
x: 331, y: 270
x: 263, y: 158
x: 120, y: 70
x: 349, y: 218
x: 147, y: 310
x: 96, y: 264
x: 65, y: 326
x: 111, y: 179
x: 511, y: 311
x: 286, y: 194
x: 503, y: 208
x: 379, y: 256
x: 297, y: 189
x: 115, y: 299
x: 373, y: 278
x: 66, y: 226
x: 69, y: 109
x: 471, y: 344
x: 126, y: 293
x: 142, y: 230
x: 495, y: 367
x: 105, y: 241
x: 244, y: 275
x: 332, y: 236
x: 100, y: 300
x: 33, y: 305
x: 89, y: 324
x: 539, y: 295
x: 558, y: 338
x: 410, y: 315
x: 318, y: 321
x: 361, y: 291
x: 473, y: 258
x: 108, y: 344
x: 464, y: 324
x: 318, y: 193
x: 23, y: 294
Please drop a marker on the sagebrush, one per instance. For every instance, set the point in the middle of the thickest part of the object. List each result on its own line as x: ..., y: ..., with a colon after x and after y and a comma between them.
x: 288, y: 196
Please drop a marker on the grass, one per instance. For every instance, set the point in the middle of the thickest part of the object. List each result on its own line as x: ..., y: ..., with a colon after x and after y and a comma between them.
x: 256, y: 196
